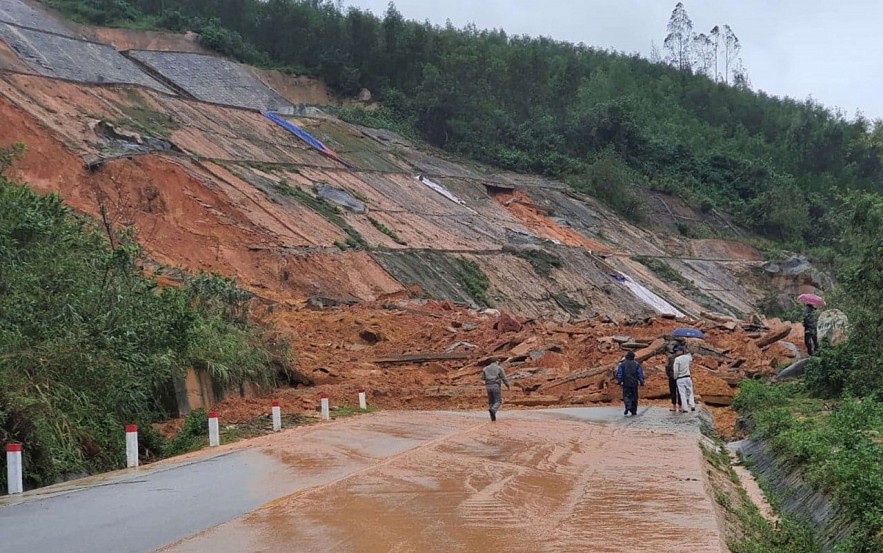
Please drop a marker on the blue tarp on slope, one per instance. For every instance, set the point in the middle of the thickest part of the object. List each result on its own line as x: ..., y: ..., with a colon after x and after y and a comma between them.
x: 297, y: 131
x: 303, y: 135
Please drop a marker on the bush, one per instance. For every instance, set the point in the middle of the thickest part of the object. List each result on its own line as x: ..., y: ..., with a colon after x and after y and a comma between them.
x: 613, y: 182
x: 192, y: 436
x: 474, y: 281
x: 89, y: 344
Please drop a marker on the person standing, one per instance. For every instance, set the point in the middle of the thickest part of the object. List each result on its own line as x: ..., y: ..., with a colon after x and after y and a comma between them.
x: 810, y: 332
x: 629, y: 375
x: 672, y: 383
x: 681, y: 370
x: 493, y: 376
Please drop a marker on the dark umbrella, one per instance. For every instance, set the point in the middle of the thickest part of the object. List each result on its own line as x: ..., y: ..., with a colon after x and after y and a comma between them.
x: 687, y: 332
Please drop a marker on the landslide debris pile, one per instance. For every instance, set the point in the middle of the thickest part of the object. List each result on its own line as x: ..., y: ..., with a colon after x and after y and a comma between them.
x: 429, y: 355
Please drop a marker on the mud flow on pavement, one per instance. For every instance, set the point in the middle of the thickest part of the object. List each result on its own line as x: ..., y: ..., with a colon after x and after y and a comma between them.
x: 563, y: 480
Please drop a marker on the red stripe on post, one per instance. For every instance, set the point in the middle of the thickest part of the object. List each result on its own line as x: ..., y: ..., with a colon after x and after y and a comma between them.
x: 13, y: 447
x: 324, y: 396
x: 275, y: 403
x: 212, y: 414
x: 131, y: 428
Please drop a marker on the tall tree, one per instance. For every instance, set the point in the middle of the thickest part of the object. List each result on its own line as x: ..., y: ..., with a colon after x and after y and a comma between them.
x: 715, y: 36
x: 703, y: 54
x: 732, y: 47
x: 679, y: 40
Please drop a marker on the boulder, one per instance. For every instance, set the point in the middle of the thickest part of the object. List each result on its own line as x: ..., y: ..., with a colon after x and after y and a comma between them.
x: 832, y: 326
x: 371, y: 336
x: 507, y: 323
x: 536, y: 401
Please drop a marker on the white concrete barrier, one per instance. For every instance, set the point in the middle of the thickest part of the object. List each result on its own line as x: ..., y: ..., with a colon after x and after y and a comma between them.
x: 131, y: 446
x: 214, y: 434
x: 277, y: 416
x: 323, y: 401
x: 363, y: 401
x: 13, y: 469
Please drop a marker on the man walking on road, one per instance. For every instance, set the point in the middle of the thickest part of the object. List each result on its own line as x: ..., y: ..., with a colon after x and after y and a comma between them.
x: 629, y: 375
x: 681, y: 371
x: 492, y: 376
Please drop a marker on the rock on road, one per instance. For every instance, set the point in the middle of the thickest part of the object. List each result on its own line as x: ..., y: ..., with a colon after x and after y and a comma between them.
x: 555, y: 480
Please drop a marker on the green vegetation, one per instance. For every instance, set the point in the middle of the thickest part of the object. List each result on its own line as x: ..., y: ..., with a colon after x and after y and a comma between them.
x: 542, y: 261
x: 609, y: 122
x: 837, y: 443
x: 567, y: 303
x: 192, y: 436
x: 752, y: 533
x: 474, y: 281
x: 838, y: 450
x: 854, y: 366
x: 89, y: 344
x: 350, y: 411
x: 328, y: 211
x: 140, y: 117
x: 387, y: 231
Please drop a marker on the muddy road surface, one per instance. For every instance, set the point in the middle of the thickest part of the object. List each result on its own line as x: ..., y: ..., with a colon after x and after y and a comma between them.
x: 552, y: 480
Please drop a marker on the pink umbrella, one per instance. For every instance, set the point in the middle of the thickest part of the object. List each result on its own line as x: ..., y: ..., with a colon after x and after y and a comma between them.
x: 811, y: 299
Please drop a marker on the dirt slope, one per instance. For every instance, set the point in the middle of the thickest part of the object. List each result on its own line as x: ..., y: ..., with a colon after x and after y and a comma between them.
x: 397, y: 226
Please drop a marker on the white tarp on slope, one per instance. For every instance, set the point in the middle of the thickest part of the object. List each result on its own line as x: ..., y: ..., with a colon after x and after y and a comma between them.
x: 648, y: 297
x: 441, y: 190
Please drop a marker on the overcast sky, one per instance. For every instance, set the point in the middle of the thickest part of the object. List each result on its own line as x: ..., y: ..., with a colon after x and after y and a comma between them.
x: 830, y: 50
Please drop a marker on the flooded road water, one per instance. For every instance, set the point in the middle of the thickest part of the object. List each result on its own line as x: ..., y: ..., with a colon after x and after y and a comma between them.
x: 562, y: 480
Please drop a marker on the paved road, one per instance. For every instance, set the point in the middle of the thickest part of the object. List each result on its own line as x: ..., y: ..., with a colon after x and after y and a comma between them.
x: 556, y: 480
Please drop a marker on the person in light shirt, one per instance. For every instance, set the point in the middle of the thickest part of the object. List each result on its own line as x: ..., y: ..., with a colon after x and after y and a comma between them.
x: 681, y: 370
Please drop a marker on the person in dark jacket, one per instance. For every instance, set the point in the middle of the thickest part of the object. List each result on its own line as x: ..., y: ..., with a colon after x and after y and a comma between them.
x: 810, y: 333
x: 629, y: 375
x: 672, y: 383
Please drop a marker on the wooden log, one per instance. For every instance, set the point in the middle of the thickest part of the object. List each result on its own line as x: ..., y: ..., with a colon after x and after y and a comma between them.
x: 774, y: 336
x: 653, y: 349
x: 589, y: 373
x: 717, y: 317
x: 421, y: 357
x: 717, y: 400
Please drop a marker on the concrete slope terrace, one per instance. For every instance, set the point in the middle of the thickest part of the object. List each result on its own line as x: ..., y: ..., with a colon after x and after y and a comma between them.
x: 220, y: 188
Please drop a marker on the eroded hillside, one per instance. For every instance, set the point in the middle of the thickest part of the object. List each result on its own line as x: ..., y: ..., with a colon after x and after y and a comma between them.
x: 344, y: 229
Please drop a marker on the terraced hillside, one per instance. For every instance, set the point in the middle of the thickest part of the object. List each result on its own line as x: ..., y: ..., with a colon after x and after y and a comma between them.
x: 221, y: 188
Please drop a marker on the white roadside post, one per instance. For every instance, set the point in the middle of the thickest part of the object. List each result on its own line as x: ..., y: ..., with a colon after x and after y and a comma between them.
x: 323, y: 401
x: 363, y: 402
x: 214, y: 435
x: 277, y: 416
x: 131, y: 446
x: 13, y: 469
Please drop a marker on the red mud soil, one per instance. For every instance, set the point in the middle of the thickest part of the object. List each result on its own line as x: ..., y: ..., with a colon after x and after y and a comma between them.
x: 534, y: 217
x: 346, y: 349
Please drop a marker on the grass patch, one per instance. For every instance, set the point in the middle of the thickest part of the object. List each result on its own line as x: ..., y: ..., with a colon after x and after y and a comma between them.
x: 330, y: 212
x: 387, y: 231
x: 345, y: 411
x: 140, y: 117
x: 474, y: 281
x: 567, y: 303
x: 260, y: 426
x: 542, y: 261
